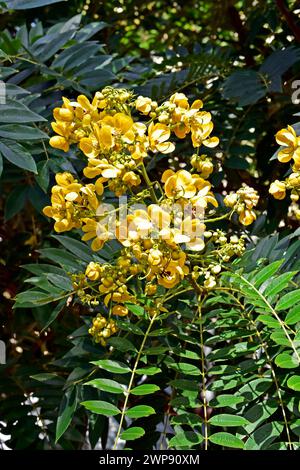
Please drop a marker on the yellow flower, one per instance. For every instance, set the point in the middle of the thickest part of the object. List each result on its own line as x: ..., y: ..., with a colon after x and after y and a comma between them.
x: 131, y: 178
x: 93, y: 271
x: 193, y: 230
x: 180, y: 184
x: 158, y: 136
x: 120, y: 310
x: 94, y: 230
x: 155, y: 257
x: 288, y: 138
x: 171, y: 276
x: 247, y: 216
x: 230, y: 200
x: 143, y: 105
x: 59, y: 142
x: 63, y: 114
x: 181, y: 115
x: 278, y: 189
x: 203, y: 165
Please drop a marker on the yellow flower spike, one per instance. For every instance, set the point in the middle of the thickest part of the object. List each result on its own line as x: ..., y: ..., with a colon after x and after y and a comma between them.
x: 158, y: 135
x: 59, y: 142
x: 278, y: 189
x: 120, y: 310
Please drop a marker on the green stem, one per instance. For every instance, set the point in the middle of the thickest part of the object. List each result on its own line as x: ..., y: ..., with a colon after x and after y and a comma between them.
x: 149, y: 184
x: 132, y: 379
x: 205, y: 403
x: 216, y: 219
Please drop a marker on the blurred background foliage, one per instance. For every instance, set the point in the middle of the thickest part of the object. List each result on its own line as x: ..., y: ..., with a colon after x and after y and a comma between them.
x: 240, y: 57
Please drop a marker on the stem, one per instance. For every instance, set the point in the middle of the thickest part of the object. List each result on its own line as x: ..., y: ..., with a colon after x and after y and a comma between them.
x: 205, y: 404
x: 132, y: 379
x: 216, y: 219
x: 149, y: 184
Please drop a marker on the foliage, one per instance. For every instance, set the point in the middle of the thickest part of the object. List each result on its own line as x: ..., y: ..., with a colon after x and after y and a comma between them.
x: 216, y: 370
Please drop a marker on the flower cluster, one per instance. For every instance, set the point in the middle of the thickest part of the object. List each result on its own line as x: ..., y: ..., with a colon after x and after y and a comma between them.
x: 289, y: 151
x: 243, y: 201
x: 102, y: 329
x: 163, y: 242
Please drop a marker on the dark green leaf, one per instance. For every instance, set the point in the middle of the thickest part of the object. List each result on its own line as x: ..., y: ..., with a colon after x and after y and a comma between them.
x: 66, y: 411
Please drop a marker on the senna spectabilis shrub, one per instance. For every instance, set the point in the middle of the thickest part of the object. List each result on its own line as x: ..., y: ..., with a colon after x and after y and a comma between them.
x: 190, y: 334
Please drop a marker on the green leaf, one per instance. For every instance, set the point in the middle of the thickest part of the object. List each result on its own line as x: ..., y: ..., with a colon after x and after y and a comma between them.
x: 16, y: 112
x: 121, y: 344
x: 140, y: 411
x: 244, y: 86
x: 294, y: 383
x: 106, y: 385
x: 79, y: 249
x: 132, y: 433
x: 17, y: 155
x: 185, y: 368
x: 286, y: 361
x: 27, y: 4
x: 254, y: 389
x: 280, y: 338
x: 101, y: 407
x: 131, y: 327
x: 63, y: 282
x: 228, y: 420
x: 15, y: 202
x: 222, y: 401
x: 43, y: 176
x: 293, y: 315
x: 185, y: 440
x: 259, y: 413
x: 21, y: 132
x: 33, y: 298
x: 1, y: 164
x: 144, y: 389
x: 136, y: 309
x: 266, y: 273
x: 288, y: 300
x: 66, y: 412
x: 185, y: 385
x: 54, y: 314
x: 263, y: 436
x: 268, y: 320
x: 148, y: 371
x: 115, y: 367
x: 227, y: 440
x: 48, y: 378
x: 61, y: 257
x: 278, y: 284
